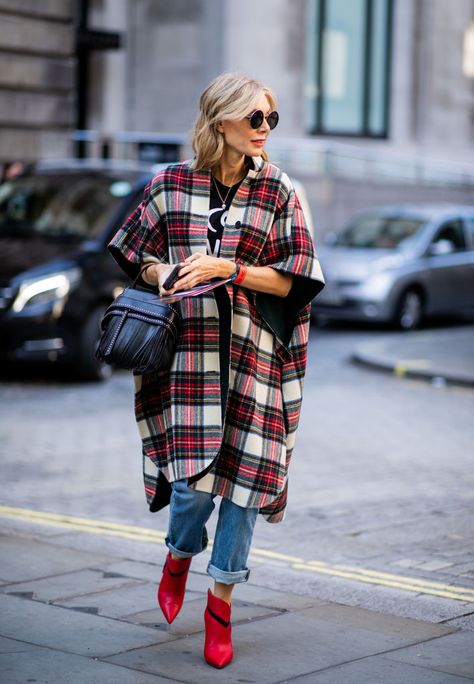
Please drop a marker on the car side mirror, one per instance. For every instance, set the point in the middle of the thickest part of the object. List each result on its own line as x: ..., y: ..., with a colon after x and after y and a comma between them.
x: 441, y: 247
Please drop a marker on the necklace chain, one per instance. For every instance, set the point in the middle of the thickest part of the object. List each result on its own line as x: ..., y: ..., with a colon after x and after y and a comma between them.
x: 227, y: 194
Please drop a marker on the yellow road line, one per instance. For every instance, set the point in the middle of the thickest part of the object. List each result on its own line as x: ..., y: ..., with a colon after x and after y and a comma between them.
x: 405, y: 365
x: 84, y: 524
x: 135, y: 533
x: 403, y: 583
x: 413, y: 580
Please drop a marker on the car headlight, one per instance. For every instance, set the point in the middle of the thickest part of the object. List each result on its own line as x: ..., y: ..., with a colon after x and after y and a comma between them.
x: 378, y: 284
x: 46, y: 290
x: 388, y: 262
x: 381, y: 276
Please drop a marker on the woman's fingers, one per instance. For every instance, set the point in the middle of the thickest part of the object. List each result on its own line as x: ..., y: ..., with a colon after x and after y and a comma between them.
x: 193, y: 257
x: 163, y: 275
x: 193, y: 275
x: 196, y: 269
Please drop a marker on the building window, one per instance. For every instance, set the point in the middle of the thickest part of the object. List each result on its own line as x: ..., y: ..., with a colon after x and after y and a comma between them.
x: 348, y: 66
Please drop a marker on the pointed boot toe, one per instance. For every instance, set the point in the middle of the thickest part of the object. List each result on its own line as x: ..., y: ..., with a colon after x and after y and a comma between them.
x: 218, y: 650
x: 172, y: 586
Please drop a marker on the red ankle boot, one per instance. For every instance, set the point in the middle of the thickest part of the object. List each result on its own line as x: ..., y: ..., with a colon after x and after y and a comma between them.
x: 172, y: 586
x: 218, y: 644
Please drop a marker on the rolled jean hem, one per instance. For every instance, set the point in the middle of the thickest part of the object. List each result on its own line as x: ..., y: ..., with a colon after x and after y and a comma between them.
x: 226, y: 577
x: 182, y: 554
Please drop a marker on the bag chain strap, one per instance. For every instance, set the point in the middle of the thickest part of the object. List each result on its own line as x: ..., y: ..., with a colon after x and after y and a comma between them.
x: 141, y: 272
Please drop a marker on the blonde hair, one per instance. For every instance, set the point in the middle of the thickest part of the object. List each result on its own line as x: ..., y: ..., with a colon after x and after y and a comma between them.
x: 230, y: 96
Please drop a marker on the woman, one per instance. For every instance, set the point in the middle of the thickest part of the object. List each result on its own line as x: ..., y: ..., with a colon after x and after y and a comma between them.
x: 222, y: 420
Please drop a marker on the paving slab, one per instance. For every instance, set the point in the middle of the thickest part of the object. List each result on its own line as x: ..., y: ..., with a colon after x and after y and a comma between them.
x: 191, y: 618
x: 44, y: 666
x: 14, y: 646
x: 390, y: 625
x: 23, y: 559
x: 153, y: 571
x: 70, y: 630
x: 375, y: 670
x: 463, y: 622
x: 123, y: 603
x: 453, y: 654
x: 271, y: 598
x: 265, y: 652
x: 69, y: 585
x: 136, y: 569
x: 352, y: 593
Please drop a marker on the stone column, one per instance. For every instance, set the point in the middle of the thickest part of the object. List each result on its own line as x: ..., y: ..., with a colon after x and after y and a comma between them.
x: 36, y: 79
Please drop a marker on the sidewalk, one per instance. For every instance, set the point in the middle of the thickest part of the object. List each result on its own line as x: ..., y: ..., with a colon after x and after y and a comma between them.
x: 76, y: 617
x: 440, y: 356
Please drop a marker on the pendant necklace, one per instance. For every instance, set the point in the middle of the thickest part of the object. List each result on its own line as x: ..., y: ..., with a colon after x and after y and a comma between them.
x: 220, y: 196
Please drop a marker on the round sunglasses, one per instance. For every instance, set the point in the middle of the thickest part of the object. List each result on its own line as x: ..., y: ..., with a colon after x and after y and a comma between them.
x: 256, y: 119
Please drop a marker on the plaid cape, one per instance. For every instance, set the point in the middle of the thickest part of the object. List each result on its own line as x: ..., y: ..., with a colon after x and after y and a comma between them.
x: 246, y: 457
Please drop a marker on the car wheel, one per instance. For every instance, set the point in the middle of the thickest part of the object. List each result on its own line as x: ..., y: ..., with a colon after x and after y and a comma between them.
x: 409, y: 313
x: 320, y: 321
x: 87, y: 366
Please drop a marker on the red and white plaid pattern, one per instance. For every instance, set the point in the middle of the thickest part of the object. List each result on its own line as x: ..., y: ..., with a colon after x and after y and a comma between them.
x: 179, y: 410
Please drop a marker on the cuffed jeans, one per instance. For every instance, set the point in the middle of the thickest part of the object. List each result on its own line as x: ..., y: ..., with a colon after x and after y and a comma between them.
x: 187, y: 534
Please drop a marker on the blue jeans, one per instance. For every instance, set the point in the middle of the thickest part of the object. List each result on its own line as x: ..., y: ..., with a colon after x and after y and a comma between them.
x: 187, y: 535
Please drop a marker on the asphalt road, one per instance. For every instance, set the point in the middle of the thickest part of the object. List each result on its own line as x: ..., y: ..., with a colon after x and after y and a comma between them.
x: 381, y: 480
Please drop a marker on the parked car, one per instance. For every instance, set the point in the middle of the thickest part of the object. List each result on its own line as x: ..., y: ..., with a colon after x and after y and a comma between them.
x: 56, y: 276
x: 399, y: 264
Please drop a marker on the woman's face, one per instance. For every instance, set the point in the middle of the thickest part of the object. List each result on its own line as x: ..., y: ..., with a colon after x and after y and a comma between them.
x: 240, y: 137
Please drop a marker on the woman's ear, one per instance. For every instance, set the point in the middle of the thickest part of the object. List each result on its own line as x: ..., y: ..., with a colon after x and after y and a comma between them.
x: 220, y: 127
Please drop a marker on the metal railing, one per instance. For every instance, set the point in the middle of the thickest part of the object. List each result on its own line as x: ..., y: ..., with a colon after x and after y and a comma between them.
x: 306, y: 156
x: 310, y: 156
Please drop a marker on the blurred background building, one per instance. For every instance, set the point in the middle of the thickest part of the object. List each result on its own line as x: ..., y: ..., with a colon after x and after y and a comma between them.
x: 376, y: 96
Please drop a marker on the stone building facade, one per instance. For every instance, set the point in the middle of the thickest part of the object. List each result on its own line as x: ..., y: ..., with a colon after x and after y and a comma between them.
x: 37, y: 89
x: 175, y: 48
x: 376, y: 97
x: 426, y: 150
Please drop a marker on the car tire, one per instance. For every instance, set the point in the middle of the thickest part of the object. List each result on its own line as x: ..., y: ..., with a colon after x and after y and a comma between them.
x: 320, y: 321
x: 409, y: 311
x: 87, y: 366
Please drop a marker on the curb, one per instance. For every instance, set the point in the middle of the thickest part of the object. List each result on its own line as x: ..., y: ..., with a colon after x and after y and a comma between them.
x: 435, y: 376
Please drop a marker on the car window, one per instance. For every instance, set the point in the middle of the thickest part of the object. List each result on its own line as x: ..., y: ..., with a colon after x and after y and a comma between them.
x: 74, y: 206
x: 453, y: 231
x: 376, y: 231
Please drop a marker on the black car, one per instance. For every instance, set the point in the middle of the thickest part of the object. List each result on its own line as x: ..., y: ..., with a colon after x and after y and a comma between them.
x: 56, y: 276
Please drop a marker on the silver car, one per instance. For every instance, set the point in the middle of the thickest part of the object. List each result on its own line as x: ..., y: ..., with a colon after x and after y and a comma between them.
x: 399, y: 264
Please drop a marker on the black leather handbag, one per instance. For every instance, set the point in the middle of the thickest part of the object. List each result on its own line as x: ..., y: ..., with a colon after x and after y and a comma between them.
x: 139, y: 331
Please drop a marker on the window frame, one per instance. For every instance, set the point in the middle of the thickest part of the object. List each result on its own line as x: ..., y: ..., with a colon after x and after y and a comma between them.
x: 368, y: 43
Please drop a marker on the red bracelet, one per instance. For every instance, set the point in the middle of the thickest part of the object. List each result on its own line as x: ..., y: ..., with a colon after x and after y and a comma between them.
x: 242, y: 272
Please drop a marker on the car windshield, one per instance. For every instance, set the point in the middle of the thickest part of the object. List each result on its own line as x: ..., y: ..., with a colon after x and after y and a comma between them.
x: 380, y: 232
x: 68, y: 206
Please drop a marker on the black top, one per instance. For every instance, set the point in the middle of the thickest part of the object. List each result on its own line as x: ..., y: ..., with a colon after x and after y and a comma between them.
x: 218, y: 214
x: 215, y: 229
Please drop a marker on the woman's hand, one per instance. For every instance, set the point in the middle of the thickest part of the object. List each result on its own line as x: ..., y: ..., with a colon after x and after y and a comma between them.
x: 200, y: 268
x: 156, y: 275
